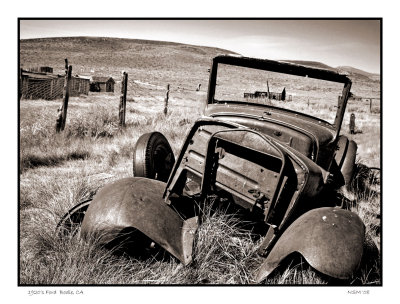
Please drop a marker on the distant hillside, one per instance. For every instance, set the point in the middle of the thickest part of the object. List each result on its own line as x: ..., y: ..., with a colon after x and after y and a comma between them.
x: 353, y: 73
x: 157, y: 61
x: 352, y: 70
x: 357, y: 72
x: 314, y: 64
x: 107, y: 56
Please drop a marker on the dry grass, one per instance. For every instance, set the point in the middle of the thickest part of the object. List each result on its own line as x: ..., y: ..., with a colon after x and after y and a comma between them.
x: 59, y: 170
x: 224, y: 254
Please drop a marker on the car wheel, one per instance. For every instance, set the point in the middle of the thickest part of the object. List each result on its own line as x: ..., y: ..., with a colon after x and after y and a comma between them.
x: 71, y: 221
x: 153, y: 157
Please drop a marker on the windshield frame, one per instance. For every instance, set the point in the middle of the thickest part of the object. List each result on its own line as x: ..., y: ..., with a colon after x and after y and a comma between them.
x: 285, y: 68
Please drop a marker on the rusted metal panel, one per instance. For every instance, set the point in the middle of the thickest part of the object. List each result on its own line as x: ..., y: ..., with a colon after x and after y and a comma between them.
x: 341, y: 150
x: 330, y: 239
x: 137, y: 203
x: 250, y: 172
x: 281, y: 67
x: 294, y: 134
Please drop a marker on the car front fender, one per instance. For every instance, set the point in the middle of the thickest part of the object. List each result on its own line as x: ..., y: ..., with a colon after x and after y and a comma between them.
x: 330, y: 239
x: 137, y: 203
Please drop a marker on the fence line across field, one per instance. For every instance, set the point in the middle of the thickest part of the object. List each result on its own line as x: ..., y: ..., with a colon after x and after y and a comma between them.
x: 48, y: 86
x: 145, y: 92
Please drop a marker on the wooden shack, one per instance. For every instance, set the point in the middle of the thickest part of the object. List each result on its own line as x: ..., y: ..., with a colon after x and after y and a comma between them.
x: 102, y: 84
x: 41, y: 86
x: 49, y: 86
x: 269, y: 95
x: 79, y: 85
x: 275, y: 96
x: 355, y: 97
x: 42, y: 69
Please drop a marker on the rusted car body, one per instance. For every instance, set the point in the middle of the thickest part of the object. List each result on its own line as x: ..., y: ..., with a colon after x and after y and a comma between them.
x: 278, y: 164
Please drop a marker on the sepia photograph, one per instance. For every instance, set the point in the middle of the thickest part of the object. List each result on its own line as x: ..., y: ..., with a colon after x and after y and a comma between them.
x: 199, y: 151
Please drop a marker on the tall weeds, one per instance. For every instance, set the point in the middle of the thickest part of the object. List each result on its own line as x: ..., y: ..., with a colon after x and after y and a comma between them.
x: 59, y: 170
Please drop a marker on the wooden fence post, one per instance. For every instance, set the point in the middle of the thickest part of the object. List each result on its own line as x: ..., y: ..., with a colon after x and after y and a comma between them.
x: 352, y: 123
x: 122, y: 100
x: 20, y: 85
x: 62, y: 115
x: 166, y: 100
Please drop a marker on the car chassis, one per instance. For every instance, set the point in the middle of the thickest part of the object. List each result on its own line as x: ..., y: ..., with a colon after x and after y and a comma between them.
x: 279, y: 165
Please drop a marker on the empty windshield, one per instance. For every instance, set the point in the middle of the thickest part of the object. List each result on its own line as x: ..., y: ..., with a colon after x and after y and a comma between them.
x: 311, y: 96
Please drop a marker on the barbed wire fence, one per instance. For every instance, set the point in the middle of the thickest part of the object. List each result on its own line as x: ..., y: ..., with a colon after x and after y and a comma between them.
x: 138, y: 91
x: 51, y: 87
x: 154, y: 92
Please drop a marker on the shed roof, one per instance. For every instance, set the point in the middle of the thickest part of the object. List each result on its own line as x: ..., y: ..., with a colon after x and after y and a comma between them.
x: 80, y: 78
x: 39, y: 75
x: 88, y: 77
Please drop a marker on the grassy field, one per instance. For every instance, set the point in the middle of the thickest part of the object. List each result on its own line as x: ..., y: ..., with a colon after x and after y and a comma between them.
x: 58, y: 170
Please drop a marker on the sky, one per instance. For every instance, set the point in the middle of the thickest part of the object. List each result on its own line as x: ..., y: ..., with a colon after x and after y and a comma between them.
x: 334, y: 42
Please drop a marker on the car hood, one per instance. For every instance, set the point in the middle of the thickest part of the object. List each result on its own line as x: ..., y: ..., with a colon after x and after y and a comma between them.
x: 306, y: 134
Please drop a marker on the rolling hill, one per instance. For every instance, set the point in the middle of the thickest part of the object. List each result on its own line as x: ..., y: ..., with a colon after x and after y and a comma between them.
x: 156, y: 61
x: 358, y: 73
x: 314, y: 64
x: 353, y: 73
x: 143, y: 59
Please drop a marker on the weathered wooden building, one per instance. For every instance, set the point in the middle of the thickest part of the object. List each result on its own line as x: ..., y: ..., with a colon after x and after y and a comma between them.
x: 41, y: 86
x: 102, y: 84
x: 356, y: 98
x: 42, y: 69
x: 49, y: 86
x: 269, y: 95
x: 79, y: 85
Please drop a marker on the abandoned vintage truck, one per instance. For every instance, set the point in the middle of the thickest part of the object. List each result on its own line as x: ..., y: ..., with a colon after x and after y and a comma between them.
x: 280, y: 165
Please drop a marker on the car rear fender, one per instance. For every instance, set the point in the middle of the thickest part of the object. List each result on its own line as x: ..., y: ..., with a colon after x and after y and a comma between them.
x: 330, y: 239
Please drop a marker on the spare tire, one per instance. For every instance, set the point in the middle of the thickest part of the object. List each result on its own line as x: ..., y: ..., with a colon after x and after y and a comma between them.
x: 153, y: 157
